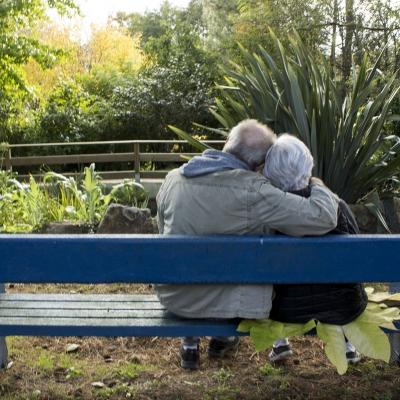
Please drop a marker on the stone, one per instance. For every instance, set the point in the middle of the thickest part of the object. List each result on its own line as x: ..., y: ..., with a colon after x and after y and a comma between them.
x: 155, y: 225
x: 98, y: 385
x: 124, y: 219
x: 66, y: 228
x: 392, y: 213
x: 72, y: 348
x: 367, y: 221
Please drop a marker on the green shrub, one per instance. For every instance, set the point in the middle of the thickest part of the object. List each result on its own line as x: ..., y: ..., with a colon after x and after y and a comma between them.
x: 130, y: 193
x: 28, y: 207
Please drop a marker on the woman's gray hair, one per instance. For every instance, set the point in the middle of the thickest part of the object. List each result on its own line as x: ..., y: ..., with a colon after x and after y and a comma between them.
x: 289, y: 163
x: 249, y: 141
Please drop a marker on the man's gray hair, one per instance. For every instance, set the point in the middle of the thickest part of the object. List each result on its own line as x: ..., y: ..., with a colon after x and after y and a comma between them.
x: 249, y: 141
x: 289, y: 163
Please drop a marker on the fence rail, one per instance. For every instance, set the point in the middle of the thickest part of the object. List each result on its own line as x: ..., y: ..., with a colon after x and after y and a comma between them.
x: 133, y: 155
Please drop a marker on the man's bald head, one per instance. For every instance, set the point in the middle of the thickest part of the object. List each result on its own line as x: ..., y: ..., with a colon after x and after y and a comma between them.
x: 249, y: 141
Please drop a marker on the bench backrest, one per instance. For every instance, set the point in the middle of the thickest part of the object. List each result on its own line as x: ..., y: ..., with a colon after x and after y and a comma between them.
x: 198, y: 259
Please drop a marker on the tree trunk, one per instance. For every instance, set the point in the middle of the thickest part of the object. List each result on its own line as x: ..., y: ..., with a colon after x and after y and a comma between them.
x: 396, y: 64
x: 348, y: 41
x: 333, y: 44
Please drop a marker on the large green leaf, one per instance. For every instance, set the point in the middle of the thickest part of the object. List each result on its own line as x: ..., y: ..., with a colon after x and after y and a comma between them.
x: 368, y: 338
x: 191, y: 140
x: 289, y: 330
x: 245, y: 325
x: 335, y: 345
x: 379, y: 316
x: 264, y: 335
x: 264, y: 332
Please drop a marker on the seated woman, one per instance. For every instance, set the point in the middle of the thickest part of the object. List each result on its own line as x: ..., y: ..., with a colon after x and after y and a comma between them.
x: 288, y: 165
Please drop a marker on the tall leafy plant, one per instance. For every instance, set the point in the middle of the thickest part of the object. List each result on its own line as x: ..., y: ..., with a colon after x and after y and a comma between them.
x: 23, y: 207
x: 28, y: 207
x: 85, y: 202
x: 293, y: 93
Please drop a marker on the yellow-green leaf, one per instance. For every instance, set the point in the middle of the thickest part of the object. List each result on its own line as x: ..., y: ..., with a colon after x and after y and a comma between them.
x: 289, y: 330
x: 393, y: 300
x: 379, y: 316
x: 368, y: 338
x: 335, y: 345
x: 369, y: 290
x: 262, y: 338
x: 264, y: 332
x: 245, y: 325
x: 378, y: 297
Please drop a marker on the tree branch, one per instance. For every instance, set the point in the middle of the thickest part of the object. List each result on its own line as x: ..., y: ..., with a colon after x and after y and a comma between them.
x: 367, y: 28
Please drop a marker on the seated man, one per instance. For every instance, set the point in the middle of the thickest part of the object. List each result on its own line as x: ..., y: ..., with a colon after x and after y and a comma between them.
x: 219, y: 193
x: 288, y: 165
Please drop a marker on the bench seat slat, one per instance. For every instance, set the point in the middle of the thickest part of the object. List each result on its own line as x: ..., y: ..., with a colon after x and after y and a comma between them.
x: 78, y: 297
x: 115, y: 327
x: 119, y: 327
x: 80, y: 305
x: 80, y: 313
x: 76, y: 306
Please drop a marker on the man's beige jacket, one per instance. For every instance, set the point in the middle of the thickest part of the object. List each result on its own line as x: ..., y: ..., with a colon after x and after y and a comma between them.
x: 234, y: 202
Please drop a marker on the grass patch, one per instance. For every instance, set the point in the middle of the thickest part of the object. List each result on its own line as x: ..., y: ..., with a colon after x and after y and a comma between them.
x: 73, y: 372
x: 223, y: 376
x: 132, y: 370
x: 270, y: 370
x: 45, y: 361
x: 119, y: 391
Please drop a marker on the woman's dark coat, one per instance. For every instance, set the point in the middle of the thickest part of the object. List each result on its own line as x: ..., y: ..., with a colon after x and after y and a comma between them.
x: 337, y: 304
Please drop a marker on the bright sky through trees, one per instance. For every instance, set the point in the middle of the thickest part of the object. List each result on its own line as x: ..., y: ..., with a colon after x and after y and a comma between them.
x: 97, y: 12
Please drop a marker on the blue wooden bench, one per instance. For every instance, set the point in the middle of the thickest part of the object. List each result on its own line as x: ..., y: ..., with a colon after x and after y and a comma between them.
x: 93, y: 259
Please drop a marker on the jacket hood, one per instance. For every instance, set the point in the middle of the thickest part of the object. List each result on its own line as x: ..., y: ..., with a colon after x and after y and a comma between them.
x: 211, y: 161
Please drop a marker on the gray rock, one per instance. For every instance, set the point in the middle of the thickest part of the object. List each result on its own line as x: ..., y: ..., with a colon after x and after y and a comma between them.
x: 66, y: 228
x: 155, y: 225
x: 124, y: 219
x: 367, y: 221
x: 392, y: 213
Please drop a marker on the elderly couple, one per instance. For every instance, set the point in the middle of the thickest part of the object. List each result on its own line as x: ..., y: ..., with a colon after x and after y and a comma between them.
x: 231, y: 192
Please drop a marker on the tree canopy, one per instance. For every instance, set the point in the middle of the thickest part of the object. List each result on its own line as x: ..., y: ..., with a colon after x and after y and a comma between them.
x: 142, y: 72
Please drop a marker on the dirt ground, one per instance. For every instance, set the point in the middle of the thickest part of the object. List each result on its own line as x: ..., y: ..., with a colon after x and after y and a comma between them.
x: 148, y: 368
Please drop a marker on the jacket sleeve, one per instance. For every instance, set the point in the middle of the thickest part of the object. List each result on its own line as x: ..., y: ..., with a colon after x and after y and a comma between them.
x: 295, y: 215
x: 160, y: 209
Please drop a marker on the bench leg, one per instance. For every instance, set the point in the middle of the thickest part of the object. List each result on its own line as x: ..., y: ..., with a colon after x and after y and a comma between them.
x: 394, y: 287
x: 394, y: 339
x: 3, y: 353
x: 3, y: 344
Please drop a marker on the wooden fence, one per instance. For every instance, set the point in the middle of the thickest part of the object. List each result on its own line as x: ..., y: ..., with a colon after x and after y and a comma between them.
x: 133, y: 155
